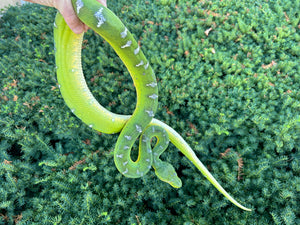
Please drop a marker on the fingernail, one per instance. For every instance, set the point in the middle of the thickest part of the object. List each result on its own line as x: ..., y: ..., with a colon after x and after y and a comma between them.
x: 78, y: 29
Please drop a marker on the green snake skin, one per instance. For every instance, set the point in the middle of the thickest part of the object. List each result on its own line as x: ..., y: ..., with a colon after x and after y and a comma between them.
x: 141, y: 124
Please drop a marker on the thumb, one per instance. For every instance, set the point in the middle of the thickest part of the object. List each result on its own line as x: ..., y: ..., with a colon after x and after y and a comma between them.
x: 103, y: 2
x: 66, y: 9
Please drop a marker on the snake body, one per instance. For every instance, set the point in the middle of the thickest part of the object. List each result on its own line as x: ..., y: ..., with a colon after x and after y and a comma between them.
x: 141, y: 124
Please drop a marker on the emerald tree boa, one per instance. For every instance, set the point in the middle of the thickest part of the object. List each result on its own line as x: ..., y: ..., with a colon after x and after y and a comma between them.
x: 142, y: 123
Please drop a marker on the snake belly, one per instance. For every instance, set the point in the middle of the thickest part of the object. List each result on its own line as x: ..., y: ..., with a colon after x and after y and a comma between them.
x: 83, y: 104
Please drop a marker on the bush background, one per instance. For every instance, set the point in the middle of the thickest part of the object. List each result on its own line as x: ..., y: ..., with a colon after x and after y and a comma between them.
x: 228, y: 74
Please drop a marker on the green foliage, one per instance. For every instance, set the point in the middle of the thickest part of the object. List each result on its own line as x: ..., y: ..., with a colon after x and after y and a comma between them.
x: 229, y: 82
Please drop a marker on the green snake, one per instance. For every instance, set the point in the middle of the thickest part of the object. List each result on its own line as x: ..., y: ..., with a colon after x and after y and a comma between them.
x: 142, y: 123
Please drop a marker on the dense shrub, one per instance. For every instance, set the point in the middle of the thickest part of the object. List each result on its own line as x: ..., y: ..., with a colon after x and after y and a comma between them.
x: 229, y: 82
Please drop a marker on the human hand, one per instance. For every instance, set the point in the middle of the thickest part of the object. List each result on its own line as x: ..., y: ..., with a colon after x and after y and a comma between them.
x: 66, y: 9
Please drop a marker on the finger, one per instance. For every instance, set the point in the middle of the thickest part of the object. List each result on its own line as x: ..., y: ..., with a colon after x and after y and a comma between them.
x: 74, y: 23
x: 67, y: 11
x: 85, y: 27
x: 103, y: 2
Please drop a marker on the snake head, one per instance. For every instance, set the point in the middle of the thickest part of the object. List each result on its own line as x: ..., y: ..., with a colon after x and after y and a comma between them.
x: 166, y: 172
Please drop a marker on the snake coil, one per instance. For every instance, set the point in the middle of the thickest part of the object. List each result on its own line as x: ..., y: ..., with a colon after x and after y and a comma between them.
x: 142, y: 123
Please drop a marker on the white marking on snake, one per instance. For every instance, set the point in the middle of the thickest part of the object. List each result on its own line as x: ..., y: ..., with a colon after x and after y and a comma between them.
x: 150, y: 113
x: 146, y: 66
x: 136, y: 51
x: 99, y: 16
x: 128, y: 137
x: 79, y: 5
x: 127, y: 44
x: 140, y: 64
x: 126, y: 171
x: 138, y: 128
x: 124, y: 33
x: 153, y: 84
x: 154, y: 96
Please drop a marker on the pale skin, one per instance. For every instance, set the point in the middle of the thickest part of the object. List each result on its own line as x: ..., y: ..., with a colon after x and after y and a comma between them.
x: 67, y: 11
